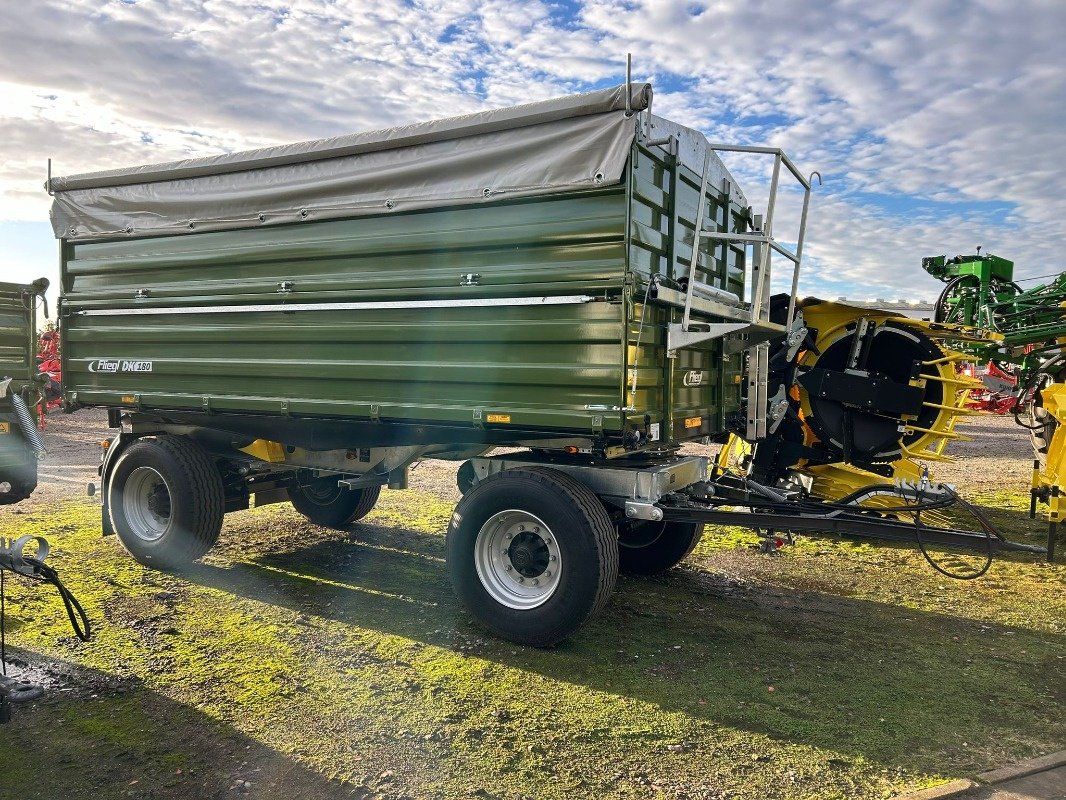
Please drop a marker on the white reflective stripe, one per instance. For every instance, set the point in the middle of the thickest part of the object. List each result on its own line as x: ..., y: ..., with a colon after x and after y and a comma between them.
x: 486, y: 302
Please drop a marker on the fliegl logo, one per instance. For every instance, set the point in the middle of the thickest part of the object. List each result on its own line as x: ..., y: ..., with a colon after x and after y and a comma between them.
x: 111, y: 366
x: 106, y: 365
x: 693, y: 378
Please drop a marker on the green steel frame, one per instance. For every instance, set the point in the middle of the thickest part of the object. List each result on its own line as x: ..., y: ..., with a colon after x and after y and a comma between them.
x: 980, y: 292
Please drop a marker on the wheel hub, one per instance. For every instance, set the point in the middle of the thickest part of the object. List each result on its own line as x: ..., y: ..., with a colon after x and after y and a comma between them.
x: 322, y: 492
x: 159, y: 501
x: 529, y: 554
x: 146, y: 504
x: 517, y: 559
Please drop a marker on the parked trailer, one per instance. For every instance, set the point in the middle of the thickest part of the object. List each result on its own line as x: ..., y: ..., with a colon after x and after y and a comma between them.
x: 20, y: 442
x: 576, y: 277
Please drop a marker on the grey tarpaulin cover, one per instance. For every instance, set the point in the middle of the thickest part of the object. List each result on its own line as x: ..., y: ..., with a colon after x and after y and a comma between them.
x: 565, y: 143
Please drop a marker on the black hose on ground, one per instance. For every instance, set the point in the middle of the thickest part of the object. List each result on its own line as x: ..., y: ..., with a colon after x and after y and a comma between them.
x: 13, y: 558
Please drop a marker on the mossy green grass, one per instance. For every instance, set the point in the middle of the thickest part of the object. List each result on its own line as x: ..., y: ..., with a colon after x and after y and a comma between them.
x: 835, y: 670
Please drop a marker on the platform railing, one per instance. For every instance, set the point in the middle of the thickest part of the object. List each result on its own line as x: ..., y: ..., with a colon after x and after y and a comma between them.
x: 753, y: 328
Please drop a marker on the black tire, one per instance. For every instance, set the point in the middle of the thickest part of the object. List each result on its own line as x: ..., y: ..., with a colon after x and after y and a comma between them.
x: 18, y: 483
x: 649, y: 548
x: 1041, y: 430
x: 176, y: 501
x: 1041, y: 424
x: 330, y: 505
x: 577, y: 527
x: 465, y: 477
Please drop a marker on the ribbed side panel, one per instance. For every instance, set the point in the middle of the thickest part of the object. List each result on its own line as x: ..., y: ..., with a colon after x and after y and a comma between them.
x: 699, y: 384
x: 16, y: 335
x: 537, y: 365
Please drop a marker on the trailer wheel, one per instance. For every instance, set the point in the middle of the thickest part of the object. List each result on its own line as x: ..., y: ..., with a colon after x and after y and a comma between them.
x: 648, y: 548
x: 532, y: 554
x: 326, y: 503
x: 18, y: 484
x: 166, y: 501
x: 465, y: 477
x: 1042, y: 425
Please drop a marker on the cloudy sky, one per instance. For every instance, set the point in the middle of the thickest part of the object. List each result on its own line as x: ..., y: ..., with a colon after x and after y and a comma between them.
x: 937, y: 125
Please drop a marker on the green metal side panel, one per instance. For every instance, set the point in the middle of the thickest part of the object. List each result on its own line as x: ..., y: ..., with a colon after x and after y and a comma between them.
x: 538, y: 366
x: 18, y: 360
x: 564, y: 368
x: 17, y: 332
x: 14, y: 451
x: 699, y: 386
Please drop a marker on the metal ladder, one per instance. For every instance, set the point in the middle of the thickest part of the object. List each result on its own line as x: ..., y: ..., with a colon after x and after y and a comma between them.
x: 748, y: 327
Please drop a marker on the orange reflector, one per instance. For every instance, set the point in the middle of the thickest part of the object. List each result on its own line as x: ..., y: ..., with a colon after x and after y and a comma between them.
x: 571, y: 450
x: 129, y: 398
x: 106, y: 443
x: 498, y: 418
x: 693, y: 422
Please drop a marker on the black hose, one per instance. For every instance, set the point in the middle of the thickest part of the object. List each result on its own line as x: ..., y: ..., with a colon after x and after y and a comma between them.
x: 36, y: 569
x: 940, y: 309
x: 952, y: 498
x: 79, y: 620
x: 28, y: 426
x: 989, y: 531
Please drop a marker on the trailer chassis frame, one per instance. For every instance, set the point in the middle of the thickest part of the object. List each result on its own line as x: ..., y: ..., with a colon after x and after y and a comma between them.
x: 674, y: 490
x: 852, y: 525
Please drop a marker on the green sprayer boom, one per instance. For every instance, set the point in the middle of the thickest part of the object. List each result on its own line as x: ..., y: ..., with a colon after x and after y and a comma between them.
x: 980, y: 292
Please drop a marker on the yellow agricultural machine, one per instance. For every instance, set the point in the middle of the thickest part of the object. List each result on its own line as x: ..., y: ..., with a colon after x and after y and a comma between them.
x: 864, y: 400
x: 867, y: 399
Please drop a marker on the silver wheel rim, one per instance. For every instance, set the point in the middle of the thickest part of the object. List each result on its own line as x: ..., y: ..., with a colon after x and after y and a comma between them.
x: 146, y: 504
x: 517, y: 559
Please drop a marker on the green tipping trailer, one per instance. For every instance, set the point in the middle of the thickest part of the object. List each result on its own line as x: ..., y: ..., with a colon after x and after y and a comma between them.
x: 303, y: 322
x: 20, y: 443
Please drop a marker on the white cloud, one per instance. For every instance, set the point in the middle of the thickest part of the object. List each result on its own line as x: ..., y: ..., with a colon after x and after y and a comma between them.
x: 898, y: 104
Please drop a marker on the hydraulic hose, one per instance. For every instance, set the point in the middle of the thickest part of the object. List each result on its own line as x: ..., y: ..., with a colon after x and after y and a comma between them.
x: 28, y: 426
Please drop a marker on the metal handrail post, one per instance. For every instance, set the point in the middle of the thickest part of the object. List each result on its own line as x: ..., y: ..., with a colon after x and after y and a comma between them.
x: 796, y: 263
x: 696, y: 236
x: 768, y: 232
x: 629, y: 80
x: 773, y: 151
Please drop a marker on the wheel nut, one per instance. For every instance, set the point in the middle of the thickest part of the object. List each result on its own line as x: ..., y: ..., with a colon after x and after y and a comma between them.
x: 508, y: 567
x: 521, y: 579
x: 536, y: 529
x: 547, y: 573
x: 551, y: 558
x: 536, y: 582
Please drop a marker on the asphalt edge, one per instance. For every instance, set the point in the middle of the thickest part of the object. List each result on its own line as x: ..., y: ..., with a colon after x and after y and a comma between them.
x: 962, y: 786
